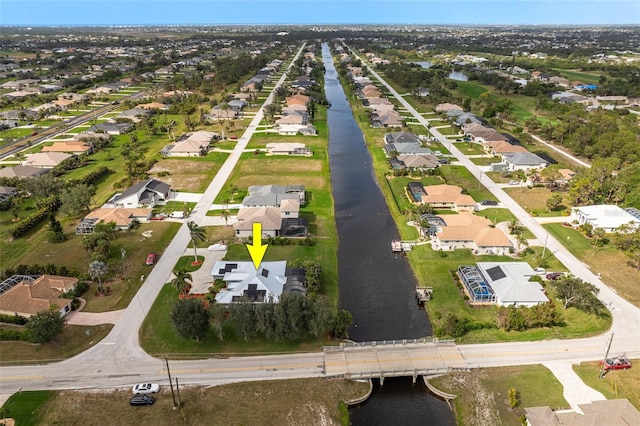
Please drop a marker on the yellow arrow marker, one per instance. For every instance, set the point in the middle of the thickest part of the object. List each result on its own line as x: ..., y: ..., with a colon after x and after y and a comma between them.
x: 257, y: 250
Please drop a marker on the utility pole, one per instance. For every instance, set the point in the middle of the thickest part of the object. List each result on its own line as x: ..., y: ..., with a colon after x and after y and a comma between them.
x: 124, y: 272
x: 545, y: 245
x: 178, y: 392
x: 173, y: 395
x: 606, y: 354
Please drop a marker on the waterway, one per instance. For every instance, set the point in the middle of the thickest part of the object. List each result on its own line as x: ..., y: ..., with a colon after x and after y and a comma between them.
x: 376, y: 286
x: 457, y: 75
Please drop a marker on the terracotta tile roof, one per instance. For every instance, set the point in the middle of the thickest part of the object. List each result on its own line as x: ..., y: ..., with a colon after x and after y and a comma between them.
x: 447, y: 194
x: 121, y: 216
x: 28, y: 298
x: 268, y: 216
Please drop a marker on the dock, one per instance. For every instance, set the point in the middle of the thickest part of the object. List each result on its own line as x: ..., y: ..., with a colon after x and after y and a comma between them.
x: 423, y: 294
x: 398, y: 246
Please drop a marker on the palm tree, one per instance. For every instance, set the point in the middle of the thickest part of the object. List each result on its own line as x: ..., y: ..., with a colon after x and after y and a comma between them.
x: 20, y: 156
x: 182, y: 281
x: 225, y: 214
x: 197, y: 234
x: 97, y: 269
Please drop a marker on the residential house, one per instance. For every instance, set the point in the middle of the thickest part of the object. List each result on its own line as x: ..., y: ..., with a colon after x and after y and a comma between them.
x: 273, y: 195
x: 288, y: 148
x: 71, y: 147
x: 394, y: 137
x: 446, y: 107
x: 448, y: 197
x: 123, y: 218
x: 21, y: 172
x: 194, y: 144
x: 404, y: 148
x: 6, y: 192
x: 370, y: 92
x: 26, y: 295
x: 297, y: 99
x: 46, y: 160
x: 523, y: 161
x: 378, y: 104
x: 386, y: 118
x: 148, y: 193
x: 413, y: 161
x: 135, y: 114
x: 244, y: 282
x: 109, y: 128
x: 219, y: 113
x: 607, y: 217
x: 502, y: 283
x: 153, y: 106
x: 467, y: 231
x: 611, y: 412
x: 502, y: 147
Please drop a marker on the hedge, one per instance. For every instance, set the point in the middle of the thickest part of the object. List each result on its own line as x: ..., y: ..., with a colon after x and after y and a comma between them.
x: 13, y: 319
x: 14, y: 334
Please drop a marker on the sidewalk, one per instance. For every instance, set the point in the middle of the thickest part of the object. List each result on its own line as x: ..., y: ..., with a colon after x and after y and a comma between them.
x: 575, y: 390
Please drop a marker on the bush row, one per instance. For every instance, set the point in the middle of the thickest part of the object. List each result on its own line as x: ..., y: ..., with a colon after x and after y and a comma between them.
x: 14, y: 334
x: 37, y: 269
x: 13, y: 319
x: 46, y: 207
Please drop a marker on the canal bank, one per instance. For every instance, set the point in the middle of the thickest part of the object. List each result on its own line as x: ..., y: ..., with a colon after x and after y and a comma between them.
x: 376, y: 286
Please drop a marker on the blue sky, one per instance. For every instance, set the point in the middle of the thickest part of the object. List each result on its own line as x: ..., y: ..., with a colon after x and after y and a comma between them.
x: 481, y: 12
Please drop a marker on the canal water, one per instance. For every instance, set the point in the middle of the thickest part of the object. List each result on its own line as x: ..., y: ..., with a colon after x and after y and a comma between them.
x: 376, y: 286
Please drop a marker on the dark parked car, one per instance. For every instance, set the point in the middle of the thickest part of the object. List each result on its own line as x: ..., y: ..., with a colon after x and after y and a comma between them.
x: 488, y: 203
x: 141, y: 400
x: 554, y: 275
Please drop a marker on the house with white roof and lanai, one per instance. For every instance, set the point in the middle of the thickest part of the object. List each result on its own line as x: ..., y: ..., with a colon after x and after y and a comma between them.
x: 607, y: 217
x: 502, y: 283
x: 268, y: 282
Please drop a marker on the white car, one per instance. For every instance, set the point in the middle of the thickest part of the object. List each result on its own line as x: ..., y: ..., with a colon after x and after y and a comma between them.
x: 514, y: 182
x: 143, y: 388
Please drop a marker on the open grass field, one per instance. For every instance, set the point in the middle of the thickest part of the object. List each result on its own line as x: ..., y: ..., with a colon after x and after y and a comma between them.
x: 577, y: 75
x: 191, y: 174
x: 483, y: 393
x: 290, y: 402
x: 472, y: 89
x: 73, y: 340
x: 27, y: 408
x: 615, y: 384
x: 534, y: 200
x: 609, y: 262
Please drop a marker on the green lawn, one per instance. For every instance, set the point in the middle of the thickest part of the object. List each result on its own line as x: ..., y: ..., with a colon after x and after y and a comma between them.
x: 607, y: 261
x: 471, y: 89
x: 73, y: 340
x: 615, y: 384
x: 27, y: 408
x: 574, y: 75
x: 483, y: 393
x: 158, y: 337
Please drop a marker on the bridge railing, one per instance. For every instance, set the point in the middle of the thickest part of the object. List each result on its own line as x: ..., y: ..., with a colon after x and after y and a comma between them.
x: 399, y: 342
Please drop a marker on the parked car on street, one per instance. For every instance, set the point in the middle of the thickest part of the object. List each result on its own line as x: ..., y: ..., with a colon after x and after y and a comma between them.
x: 151, y: 258
x: 141, y: 400
x: 143, y: 388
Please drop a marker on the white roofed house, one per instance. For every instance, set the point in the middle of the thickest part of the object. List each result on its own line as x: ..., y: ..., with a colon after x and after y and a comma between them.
x: 288, y: 148
x: 607, y: 217
x: 273, y: 195
x: 503, y: 284
x: 148, y: 193
x: 192, y: 145
x: 244, y: 282
x: 523, y: 161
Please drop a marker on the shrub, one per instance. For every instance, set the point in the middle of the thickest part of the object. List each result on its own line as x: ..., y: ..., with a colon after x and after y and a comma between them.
x: 13, y: 334
x: 13, y: 319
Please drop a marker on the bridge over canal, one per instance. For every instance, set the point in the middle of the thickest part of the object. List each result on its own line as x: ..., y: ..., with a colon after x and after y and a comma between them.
x: 396, y: 358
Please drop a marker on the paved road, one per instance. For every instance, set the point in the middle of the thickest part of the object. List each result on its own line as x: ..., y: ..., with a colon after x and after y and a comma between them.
x: 50, y: 132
